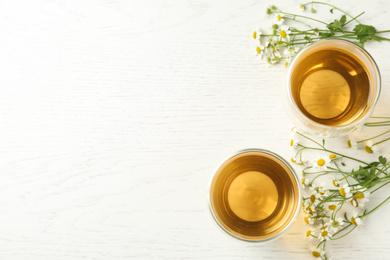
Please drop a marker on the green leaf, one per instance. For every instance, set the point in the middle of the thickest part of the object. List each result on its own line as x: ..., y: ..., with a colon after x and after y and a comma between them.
x: 343, y: 19
x: 337, y: 25
x: 323, y: 142
x: 365, y: 33
x: 382, y: 160
x: 331, y: 10
x: 343, y: 164
x: 345, y: 216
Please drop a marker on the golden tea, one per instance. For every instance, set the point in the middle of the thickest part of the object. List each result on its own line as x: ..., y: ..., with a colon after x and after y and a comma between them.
x: 331, y: 87
x: 254, y: 195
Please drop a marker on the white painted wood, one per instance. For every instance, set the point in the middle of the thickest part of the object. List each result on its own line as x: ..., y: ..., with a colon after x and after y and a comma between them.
x: 115, y: 113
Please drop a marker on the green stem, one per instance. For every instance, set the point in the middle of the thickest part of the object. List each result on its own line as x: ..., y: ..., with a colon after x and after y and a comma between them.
x: 311, y: 140
x: 373, y: 137
x: 380, y: 187
x: 302, y: 16
x: 335, y: 7
x: 382, y: 141
x: 330, y: 151
x: 368, y: 213
x: 353, y: 19
x: 382, y: 38
x: 298, y: 21
x: 345, y: 233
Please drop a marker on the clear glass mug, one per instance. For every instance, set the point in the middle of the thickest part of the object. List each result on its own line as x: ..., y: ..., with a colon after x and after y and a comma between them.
x: 332, y: 88
x: 254, y: 195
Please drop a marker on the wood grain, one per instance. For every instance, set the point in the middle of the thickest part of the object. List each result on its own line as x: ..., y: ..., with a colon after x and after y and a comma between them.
x: 115, y: 113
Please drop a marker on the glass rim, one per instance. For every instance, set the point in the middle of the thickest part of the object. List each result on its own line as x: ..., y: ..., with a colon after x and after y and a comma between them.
x: 316, y: 124
x: 280, y: 160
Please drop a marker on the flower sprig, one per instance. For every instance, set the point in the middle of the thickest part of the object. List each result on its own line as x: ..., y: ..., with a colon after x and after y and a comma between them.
x: 335, y: 208
x: 285, y: 41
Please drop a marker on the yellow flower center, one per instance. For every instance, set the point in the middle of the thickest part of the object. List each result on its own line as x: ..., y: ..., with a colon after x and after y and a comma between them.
x: 254, y: 35
x: 315, y: 254
x: 353, y: 221
x: 292, y: 129
x: 332, y: 207
x: 303, y: 180
x: 342, y: 192
x: 368, y: 149
x: 306, y: 220
x: 286, y: 64
x: 273, y: 48
x: 302, y: 6
x: 312, y: 198
x: 354, y: 203
x: 283, y: 34
x: 349, y: 143
x: 324, y: 227
x: 358, y: 195
x: 279, y: 17
x: 335, y: 184
x: 308, y: 233
x: 292, y: 160
x: 310, y: 210
x: 332, y: 156
x: 258, y: 49
x: 321, y: 162
x: 291, y: 142
x: 324, y: 233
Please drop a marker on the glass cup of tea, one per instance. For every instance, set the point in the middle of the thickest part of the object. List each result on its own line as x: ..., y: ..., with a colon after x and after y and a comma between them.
x: 332, y: 88
x: 254, y: 195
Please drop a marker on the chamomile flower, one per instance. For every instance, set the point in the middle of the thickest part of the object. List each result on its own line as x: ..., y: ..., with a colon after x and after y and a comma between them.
x: 284, y: 33
x: 331, y: 206
x: 294, y: 142
x: 323, y: 192
x: 314, y: 198
x: 354, y: 203
x: 317, y: 252
x: 287, y: 62
x: 308, y: 219
x: 333, y: 157
x: 291, y: 51
x: 321, y: 162
x: 257, y: 34
x: 279, y: 18
x: 371, y: 148
x: 305, y: 182
x: 361, y: 198
x: 294, y: 131
x: 355, y: 220
x: 345, y: 191
x: 259, y: 51
x: 352, y: 143
x: 302, y: 7
x: 310, y: 233
x: 335, y: 224
x: 335, y: 182
x: 308, y: 208
x: 300, y: 161
x: 324, y: 234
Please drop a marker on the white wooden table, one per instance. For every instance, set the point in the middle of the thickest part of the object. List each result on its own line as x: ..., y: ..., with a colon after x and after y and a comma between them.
x: 114, y: 114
